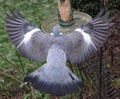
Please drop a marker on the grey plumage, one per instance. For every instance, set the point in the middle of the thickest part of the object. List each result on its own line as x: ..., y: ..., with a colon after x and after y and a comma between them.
x: 56, y: 31
x: 54, y: 76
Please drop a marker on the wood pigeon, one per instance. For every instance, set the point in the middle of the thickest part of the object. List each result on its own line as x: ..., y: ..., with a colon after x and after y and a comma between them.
x: 54, y: 77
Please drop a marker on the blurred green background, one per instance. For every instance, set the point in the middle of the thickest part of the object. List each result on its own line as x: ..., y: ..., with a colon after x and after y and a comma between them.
x: 11, y: 73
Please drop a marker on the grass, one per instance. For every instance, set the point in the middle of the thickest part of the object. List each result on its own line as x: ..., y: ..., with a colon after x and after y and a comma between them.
x: 11, y: 71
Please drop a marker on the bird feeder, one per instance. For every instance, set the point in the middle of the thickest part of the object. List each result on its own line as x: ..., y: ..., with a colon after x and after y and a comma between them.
x: 67, y: 20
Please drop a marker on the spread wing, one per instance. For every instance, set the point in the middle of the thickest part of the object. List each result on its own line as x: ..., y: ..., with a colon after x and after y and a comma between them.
x: 27, y: 38
x: 84, y: 41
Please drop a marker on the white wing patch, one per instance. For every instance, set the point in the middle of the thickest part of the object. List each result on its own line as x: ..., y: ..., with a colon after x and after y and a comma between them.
x: 27, y: 36
x: 86, y: 37
x: 53, y: 34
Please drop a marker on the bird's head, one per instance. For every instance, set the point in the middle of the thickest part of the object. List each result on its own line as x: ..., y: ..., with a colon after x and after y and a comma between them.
x: 56, y: 31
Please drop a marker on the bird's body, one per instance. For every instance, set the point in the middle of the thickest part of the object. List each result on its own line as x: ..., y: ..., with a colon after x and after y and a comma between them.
x: 54, y: 77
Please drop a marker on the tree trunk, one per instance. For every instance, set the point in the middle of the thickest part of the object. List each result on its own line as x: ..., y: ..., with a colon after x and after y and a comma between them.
x: 65, y: 11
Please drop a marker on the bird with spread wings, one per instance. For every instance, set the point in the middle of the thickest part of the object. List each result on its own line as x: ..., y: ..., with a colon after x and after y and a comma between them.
x: 54, y: 77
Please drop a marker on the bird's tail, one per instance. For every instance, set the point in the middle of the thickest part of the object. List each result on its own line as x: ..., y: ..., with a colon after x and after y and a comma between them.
x: 55, y: 81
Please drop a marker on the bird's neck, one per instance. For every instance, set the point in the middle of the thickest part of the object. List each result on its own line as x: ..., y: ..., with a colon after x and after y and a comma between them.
x: 56, y: 34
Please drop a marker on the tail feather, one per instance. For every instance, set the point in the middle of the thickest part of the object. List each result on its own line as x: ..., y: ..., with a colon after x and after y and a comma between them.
x: 64, y: 82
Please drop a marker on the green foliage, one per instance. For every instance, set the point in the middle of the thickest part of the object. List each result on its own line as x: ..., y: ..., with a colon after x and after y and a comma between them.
x: 92, y: 7
x: 11, y: 71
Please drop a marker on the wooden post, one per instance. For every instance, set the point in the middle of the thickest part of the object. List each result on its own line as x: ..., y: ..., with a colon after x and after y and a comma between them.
x: 65, y: 11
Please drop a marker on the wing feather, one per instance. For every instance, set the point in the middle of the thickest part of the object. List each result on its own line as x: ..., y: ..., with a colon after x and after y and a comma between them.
x: 84, y: 41
x: 79, y: 45
x: 27, y: 38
